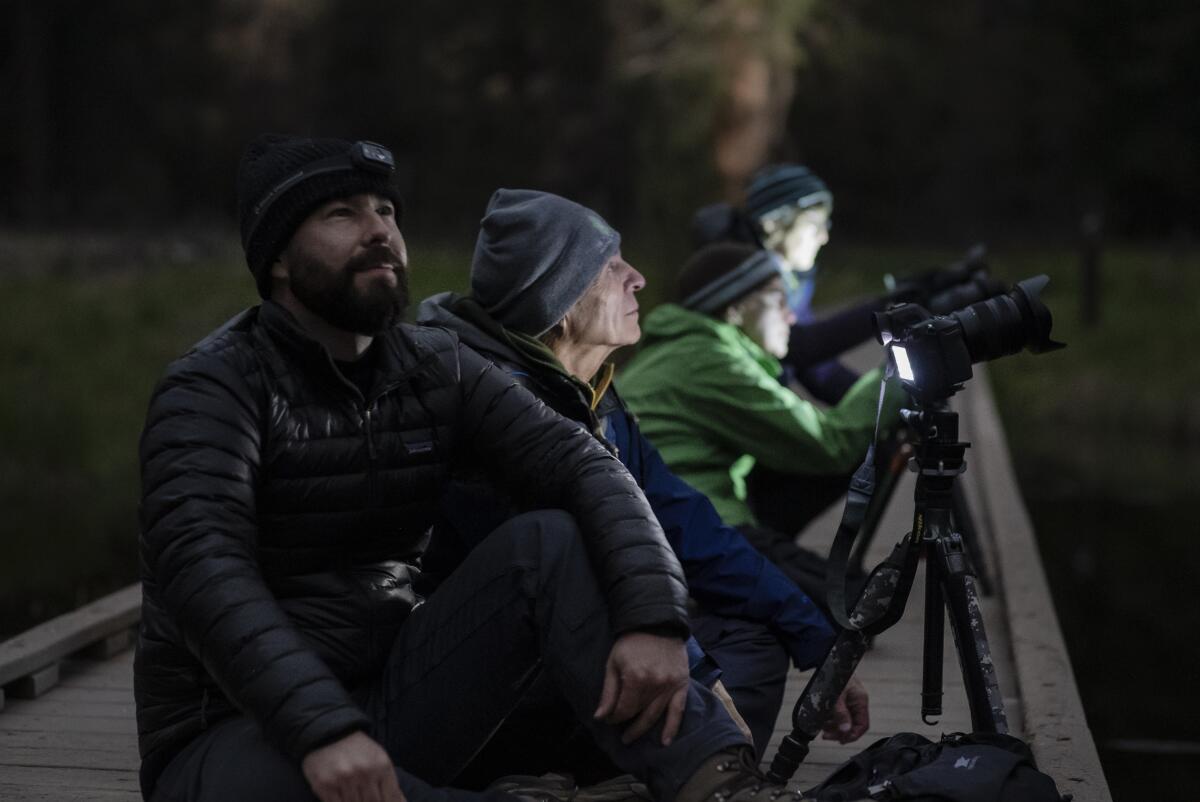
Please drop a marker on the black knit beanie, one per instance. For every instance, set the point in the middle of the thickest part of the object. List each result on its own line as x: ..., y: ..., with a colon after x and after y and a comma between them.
x: 784, y: 184
x: 282, y: 179
x: 718, y: 275
x: 535, y: 257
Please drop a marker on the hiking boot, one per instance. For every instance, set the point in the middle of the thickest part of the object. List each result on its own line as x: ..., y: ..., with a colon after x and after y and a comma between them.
x: 734, y: 776
x: 555, y: 787
x: 550, y: 787
x: 625, y: 788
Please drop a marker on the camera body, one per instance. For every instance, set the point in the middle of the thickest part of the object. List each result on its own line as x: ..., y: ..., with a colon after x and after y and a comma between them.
x: 929, y: 347
x: 933, y: 354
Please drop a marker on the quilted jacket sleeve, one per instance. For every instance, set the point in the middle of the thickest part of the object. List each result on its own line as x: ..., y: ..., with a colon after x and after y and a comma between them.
x: 534, y: 449
x: 200, y: 462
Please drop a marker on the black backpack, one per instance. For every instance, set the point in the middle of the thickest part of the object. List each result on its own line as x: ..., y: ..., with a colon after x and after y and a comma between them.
x: 976, y: 767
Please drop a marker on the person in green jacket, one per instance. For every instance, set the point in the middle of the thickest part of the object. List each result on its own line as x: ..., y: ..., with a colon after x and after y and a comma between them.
x: 705, y: 388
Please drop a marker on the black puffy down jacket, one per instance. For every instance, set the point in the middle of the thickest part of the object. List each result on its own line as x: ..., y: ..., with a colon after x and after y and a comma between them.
x: 284, y: 516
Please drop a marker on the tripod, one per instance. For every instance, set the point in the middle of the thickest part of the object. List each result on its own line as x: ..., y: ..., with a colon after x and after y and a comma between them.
x: 949, y: 585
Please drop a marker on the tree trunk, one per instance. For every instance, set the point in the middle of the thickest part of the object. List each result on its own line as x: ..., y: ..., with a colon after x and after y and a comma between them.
x: 752, y: 112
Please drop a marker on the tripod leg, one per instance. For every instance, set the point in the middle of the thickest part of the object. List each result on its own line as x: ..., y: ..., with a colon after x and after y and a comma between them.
x: 964, y: 523
x: 966, y: 621
x: 935, y: 633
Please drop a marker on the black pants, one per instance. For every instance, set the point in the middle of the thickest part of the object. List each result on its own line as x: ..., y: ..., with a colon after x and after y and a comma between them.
x: 754, y: 668
x: 524, y: 603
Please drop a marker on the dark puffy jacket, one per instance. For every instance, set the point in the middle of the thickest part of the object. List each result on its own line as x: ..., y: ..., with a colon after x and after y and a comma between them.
x: 724, y: 572
x: 284, y: 516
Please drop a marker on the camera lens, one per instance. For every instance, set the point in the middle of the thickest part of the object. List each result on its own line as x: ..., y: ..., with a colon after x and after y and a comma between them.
x: 977, y: 288
x: 1004, y: 324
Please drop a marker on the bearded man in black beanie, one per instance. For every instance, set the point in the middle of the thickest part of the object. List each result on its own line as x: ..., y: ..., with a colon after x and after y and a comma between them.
x: 291, y: 466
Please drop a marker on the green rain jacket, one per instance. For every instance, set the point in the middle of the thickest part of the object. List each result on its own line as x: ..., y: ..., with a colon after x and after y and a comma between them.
x: 709, y: 398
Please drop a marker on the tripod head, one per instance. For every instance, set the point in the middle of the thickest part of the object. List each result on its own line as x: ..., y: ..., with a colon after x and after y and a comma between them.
x: 939, y: 452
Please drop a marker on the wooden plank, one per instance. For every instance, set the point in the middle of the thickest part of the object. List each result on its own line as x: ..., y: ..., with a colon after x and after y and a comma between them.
x: 20, y: 722
x: 34, y: 685
x: 80, y: 779
x: 69, y: 740
x: 115, y: 673
x: 53, y: 640
x: 75, y: 693
x: 53, y: 757
x: 52, y: 707
x: 24, y: 793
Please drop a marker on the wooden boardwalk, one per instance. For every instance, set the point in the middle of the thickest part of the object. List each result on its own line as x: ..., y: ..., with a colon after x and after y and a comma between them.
x: 76, y: 740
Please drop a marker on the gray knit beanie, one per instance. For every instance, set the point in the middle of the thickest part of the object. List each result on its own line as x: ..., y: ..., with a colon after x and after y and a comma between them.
x: 536, y: 255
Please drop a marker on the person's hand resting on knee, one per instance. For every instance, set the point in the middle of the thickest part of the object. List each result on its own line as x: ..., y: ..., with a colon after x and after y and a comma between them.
x: 352, y: 768
x: 646, y: 677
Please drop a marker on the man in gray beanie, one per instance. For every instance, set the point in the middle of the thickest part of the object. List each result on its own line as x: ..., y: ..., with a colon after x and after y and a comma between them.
x: 289, y: 648
x: 551, y: 299
x: 535, y: 256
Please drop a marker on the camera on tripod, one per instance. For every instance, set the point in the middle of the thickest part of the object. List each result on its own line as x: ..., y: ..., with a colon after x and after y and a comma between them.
x: 933, y: 354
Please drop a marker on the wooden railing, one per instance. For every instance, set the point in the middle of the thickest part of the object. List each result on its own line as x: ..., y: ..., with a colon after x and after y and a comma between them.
x: 29, y: 662
x: 1054, y: 721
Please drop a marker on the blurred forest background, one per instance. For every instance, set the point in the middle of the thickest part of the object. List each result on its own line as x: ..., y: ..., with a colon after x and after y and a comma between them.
x: 1059, y: 133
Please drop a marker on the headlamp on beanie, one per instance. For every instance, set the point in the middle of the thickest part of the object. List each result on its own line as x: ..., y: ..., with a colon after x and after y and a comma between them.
x: 362, y: 155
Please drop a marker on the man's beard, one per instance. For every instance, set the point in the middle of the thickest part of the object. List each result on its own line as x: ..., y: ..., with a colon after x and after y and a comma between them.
x: 333, y: 296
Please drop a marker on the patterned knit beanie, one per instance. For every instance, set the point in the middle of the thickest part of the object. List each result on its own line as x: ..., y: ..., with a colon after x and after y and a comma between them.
x: 784, y: 185
x: 282, y: 179
x: 721, y: 274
